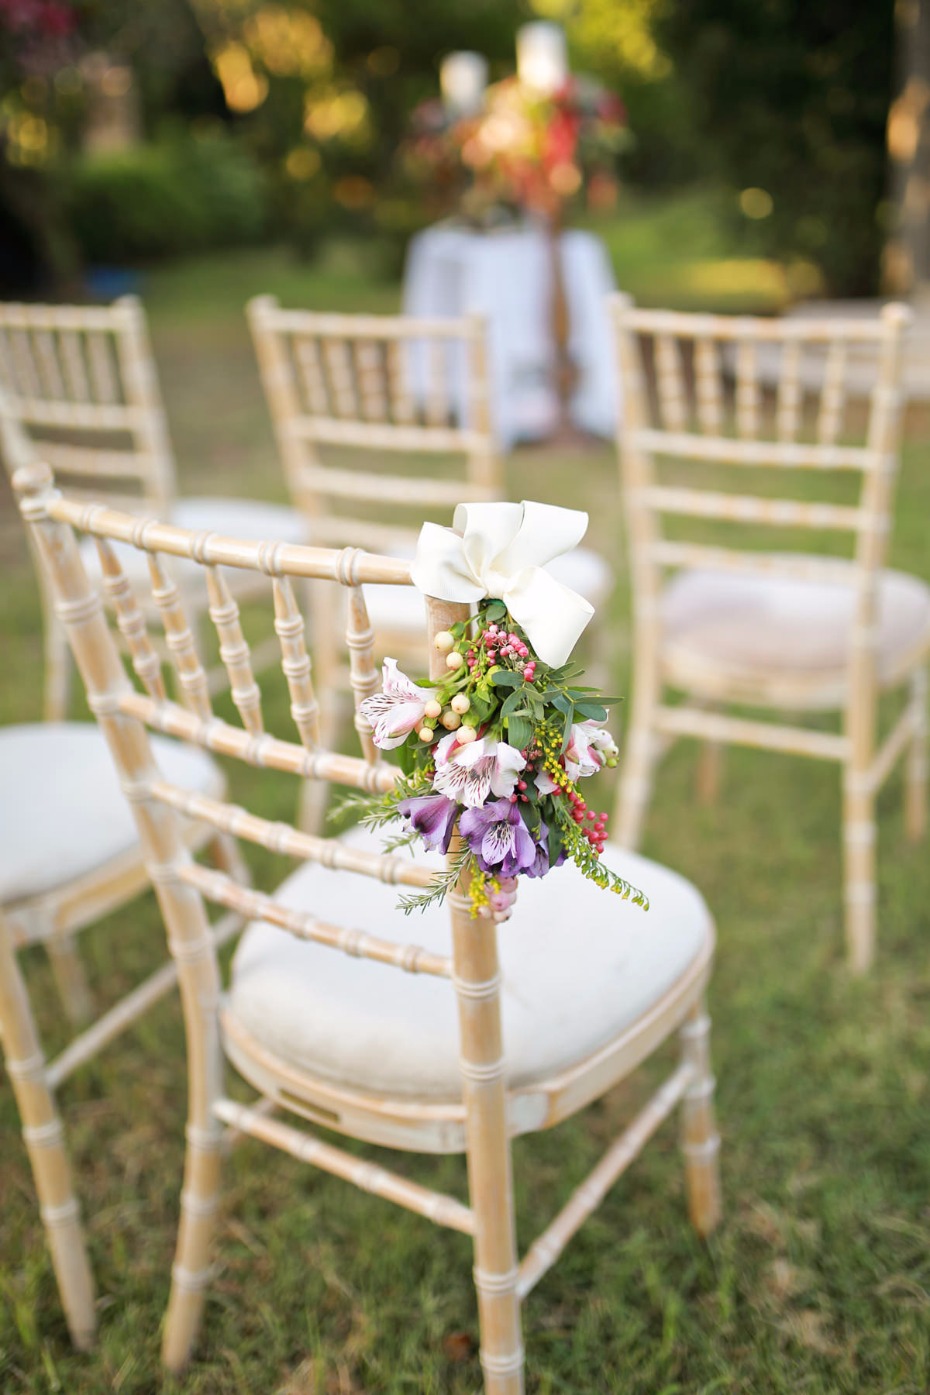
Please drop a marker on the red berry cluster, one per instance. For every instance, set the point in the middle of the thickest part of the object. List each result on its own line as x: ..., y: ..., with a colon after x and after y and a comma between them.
x: 518, y: 793
x: 501, y: 645
x: 593, y: 826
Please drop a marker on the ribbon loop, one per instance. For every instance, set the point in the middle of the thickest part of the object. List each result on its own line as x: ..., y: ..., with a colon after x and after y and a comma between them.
x: 501, y: 550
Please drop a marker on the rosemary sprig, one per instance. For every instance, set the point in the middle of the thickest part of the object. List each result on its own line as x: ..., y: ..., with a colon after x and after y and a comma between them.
x: 443, y: 882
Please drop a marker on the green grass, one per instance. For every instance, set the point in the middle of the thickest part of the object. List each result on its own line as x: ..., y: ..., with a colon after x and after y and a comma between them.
x: 819, y: 1279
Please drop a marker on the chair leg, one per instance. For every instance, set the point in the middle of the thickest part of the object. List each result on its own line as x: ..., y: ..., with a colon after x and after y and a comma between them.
x: 710, y: 763
x: 495, y: 1279
x: 57, y: 671
x: 859, y: 866
x: 70, y: 978
x: 636, y: 777
x: 915, y: 769
x: 44, y: 1137
x: 700, y: 1141
x: 191, y: 1271
x: 488, y: 1155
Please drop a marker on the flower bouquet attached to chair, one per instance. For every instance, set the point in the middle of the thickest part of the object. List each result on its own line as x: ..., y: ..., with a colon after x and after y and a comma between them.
x: 500, y: 748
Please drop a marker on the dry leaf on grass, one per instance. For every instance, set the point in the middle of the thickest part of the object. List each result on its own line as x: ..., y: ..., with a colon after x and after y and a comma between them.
x: 458, y: 1346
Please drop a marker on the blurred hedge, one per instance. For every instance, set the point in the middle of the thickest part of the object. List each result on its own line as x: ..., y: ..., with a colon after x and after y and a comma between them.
x: 176, y: 195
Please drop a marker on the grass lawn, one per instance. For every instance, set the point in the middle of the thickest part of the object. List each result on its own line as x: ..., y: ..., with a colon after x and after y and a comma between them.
x: 819, y: 1279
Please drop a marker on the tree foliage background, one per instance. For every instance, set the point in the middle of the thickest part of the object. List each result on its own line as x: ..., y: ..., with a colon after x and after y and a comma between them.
x: 306, y: 101
x: 792, y: 97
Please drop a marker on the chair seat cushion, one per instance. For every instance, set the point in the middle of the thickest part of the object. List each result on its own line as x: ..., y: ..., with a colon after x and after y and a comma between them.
x: 397, y: 609
x: 252, y: 519
x: 753, y: 626
x: 62, y: 812
x: 578, y: 966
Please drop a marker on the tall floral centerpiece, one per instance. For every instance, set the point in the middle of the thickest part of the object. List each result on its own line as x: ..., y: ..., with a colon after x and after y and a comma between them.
x: 501, y: 748
x: 525, y: 146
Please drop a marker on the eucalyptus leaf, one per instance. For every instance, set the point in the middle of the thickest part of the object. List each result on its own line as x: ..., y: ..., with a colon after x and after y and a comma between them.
x: 506, y: 678
x: 592, y: 710
x: 519, y: 732
x: 511, y: 702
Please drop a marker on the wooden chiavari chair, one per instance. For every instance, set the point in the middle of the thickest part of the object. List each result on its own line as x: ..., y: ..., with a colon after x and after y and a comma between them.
x: 317, y: 1017
x: 70, y: 854
x: 78, y: 388
x: 412, y: 391
x: 741, y: 625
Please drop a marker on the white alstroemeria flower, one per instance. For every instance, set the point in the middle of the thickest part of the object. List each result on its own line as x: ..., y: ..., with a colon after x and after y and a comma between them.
x: 588, y: 750
x: 469, y: 773
x: 397, y: 709
x: 544, y: 782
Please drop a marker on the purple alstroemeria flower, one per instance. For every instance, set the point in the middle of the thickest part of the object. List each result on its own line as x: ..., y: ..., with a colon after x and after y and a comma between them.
x: 541, y: 864
x: 433, y: 817
x: 498, y: 837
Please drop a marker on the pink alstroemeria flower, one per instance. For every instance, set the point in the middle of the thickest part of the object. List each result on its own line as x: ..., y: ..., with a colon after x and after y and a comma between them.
x: 397, y: 709
x: 588, y: 750
x: 469, y: 773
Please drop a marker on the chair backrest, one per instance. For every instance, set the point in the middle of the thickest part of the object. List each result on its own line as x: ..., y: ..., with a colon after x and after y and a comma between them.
x: 772, y: 394
x: 376, y: 384
x: 126, y: 709
x: 78, y: 390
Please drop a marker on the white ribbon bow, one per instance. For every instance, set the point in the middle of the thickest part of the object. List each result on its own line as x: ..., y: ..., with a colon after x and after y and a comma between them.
x: 500, y: 550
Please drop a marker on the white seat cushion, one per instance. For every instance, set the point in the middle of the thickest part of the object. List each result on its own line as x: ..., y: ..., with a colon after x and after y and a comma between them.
x: 62, y: 812
x: 578, y: 964
x: 402, y: 609
x: 752, y: 626
x: 252, y: 519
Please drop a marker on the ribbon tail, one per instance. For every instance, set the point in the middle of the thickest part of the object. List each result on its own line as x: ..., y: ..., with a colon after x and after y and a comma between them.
x: 552, y: 615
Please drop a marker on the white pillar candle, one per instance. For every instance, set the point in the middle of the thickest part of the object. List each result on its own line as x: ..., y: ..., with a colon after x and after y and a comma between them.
x: 463, y: 77
x: 542, y: 56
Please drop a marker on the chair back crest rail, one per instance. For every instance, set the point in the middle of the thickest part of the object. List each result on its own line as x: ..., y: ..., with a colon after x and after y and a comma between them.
x: 375, y: 384
x: 78, y: 390
x: 699, y: 399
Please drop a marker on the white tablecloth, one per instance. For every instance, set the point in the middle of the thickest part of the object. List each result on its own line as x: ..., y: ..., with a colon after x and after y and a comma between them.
x: 504, y: 276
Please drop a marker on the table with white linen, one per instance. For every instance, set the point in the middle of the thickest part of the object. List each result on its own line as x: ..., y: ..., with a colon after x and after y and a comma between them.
x: 505, y: 276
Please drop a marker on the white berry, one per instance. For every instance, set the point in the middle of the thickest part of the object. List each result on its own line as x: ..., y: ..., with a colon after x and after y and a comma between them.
x: 451, y: 720
x: 443, y: 641
x: 466, y: 735
x: 426, y: 733
x: 460, y: 704
x: 432, y: 709
x: 454, y: 660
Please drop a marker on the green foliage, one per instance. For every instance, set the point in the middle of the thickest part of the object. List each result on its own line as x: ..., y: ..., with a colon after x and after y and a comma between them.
x: 792, y: 97
x: 621, y: 44
x: 173, y: 196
